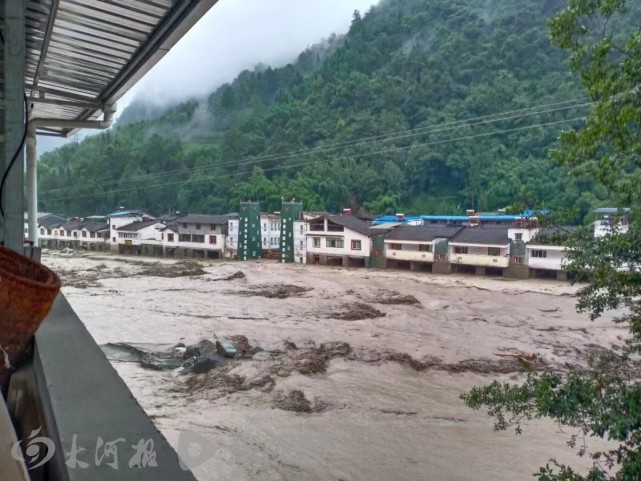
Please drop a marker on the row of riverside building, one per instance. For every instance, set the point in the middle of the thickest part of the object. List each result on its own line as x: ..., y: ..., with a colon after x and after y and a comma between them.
x: 492, y: 244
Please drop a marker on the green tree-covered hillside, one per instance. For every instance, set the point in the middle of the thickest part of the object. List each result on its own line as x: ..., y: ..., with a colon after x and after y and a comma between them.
x: 380, y: 120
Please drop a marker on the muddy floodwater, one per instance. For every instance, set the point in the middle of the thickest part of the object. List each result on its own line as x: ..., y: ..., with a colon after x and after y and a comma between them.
x: 361, y: 371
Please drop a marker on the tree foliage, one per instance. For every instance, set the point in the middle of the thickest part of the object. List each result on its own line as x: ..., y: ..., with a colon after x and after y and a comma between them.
x: 603, y: 399
x: 315, y: 127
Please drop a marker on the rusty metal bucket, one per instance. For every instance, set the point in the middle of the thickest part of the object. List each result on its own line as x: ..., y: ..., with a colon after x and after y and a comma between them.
x: 27, y: 291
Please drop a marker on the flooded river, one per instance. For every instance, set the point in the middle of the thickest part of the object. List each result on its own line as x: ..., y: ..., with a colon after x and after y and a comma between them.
x: 380, y: 372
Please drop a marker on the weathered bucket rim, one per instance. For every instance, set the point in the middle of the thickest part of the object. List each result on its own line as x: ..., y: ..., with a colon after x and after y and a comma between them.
x: 52, y: 282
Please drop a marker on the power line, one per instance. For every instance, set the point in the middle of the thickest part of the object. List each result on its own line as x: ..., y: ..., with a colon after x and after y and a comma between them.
x: 276, y: 168
x: 437, y: 128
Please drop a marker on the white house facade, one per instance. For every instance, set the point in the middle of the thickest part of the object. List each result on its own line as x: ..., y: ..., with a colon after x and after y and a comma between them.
x: 338, y: 240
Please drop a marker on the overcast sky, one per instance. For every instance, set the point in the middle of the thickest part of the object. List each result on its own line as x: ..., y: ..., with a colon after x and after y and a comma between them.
x: 233, y: 36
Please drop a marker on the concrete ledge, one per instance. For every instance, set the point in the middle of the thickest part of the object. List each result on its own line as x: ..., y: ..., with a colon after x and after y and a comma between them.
x: 81, y: 394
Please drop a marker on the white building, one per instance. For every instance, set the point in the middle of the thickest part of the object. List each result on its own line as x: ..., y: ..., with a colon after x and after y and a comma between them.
x: 231, y: 241
x: 196, y: 235
x: 480, y: 248
x: 546, y: 252
x: 610, y: 220
x: 122, y: 218
x: 417, y: 247
x: 270, y: 232
x: 94, y: 237
x: 339, y: 240
x: 131, y: 238
x: 300, y: 241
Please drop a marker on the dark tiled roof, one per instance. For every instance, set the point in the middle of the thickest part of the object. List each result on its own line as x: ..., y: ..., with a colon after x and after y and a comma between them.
x: 482, y: 235
x: 169, y: 217
x: 353, y: 223
x: 420, y: 233
x: 51, y: 220
x: 203, y: 219
x: 73, y: 225
x: 136, y: 226
x: 91, y: 227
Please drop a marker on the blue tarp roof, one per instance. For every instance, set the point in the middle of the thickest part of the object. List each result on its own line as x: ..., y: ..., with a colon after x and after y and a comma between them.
x: 460, y: 218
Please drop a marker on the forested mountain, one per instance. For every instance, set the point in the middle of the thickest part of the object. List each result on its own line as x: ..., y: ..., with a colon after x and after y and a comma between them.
x: 377, y: 120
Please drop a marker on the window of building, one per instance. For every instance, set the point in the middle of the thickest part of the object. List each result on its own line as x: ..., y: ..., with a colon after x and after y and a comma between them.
x: 518, y: 236
x: 84, y: 233
x: 212, y: 227
x: 42, y: 232
x: 113, y: 239
x: 48, y: 231
x: 335, y: 243
x: 425, y: 247
x: 212, y: 239
x: 395, y: 247
x: 441, y: 257
x: 184, y: 226
x: 92, y: 235
x: 68, y: 233
x: 316, y: 241
x: 55, y: 232
x: 265, y: 226
x: 494, y: 251
x: 517, y: 260
x: 356, y: 245
x: 170, y: 237
x: 460, y: 249
x: 539, y: 253
x: 113, y: 226
x: 184, y: 237
x: 198, y: 226
x: 198, y: 238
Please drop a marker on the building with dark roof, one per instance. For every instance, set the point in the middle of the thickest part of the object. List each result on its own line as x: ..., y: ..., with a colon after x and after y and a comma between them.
x: 343, y: 240
x: 480, y: 249
x: 418, y: 247
x: 196, y: 235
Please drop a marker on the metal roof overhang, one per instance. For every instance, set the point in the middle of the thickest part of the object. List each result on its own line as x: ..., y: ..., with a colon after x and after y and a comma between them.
x: 83, y: 55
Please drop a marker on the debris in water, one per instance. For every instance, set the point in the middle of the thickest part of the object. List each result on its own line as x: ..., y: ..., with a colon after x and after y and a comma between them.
x: 358, y: 311
x: 231, y: 277
x: 281, y: 291
x: 226, y: 348
x: 179, y: 269
x: 397, y: 299
x: 294, y: 401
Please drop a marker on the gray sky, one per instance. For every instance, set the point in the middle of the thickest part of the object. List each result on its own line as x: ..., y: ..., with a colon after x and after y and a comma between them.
x: 233, y: 36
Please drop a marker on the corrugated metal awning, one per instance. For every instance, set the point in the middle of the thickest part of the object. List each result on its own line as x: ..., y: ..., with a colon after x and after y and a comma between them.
x: 84, y: 54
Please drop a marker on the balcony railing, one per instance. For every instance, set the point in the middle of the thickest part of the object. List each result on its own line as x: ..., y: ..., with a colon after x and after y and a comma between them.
x: 479, y: 260
x: 408, y: 255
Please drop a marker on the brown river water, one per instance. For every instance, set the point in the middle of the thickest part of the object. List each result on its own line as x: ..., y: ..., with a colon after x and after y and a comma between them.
x: 383, y: 407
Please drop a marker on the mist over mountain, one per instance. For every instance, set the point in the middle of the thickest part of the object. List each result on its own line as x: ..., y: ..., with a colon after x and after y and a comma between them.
x: 379, y: 120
